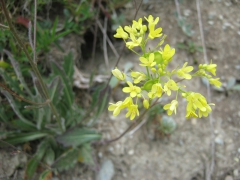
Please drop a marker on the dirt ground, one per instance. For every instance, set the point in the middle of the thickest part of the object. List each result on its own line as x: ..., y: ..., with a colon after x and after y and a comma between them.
x: 187, y: 153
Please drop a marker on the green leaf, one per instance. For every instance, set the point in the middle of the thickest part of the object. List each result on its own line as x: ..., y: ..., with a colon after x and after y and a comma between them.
x: 68, y: 65
x: 236, y: 87
x: 158, y: 57
x: 25, y: 137
x: 56, y: 90
x: 77, y: 137
x: 15, y: 108
x: 148, y: 85
x: 45, y: 175
x: 66, y: 160
x: 22, y: 125
x: 41, y: 149
x: 86, y: 154
x: 68, y: 92
x: 49, y: 156
x: 31, y: 168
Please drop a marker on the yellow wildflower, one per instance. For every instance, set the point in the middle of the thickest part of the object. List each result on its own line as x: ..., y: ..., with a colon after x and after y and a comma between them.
x: 138, y: 77
x: 148, y: 62
x: 156, y: 91
x: 153, y: 33
x: 171, y: 107
x: 132, y: 111
x: 118, y: 74
x: 215, y: 82
x: 116, y: 108
x: 121, y: 33
x: 209, y: 67
x: 133, y: 90
x: 167, y: 53
x: 183, y: 72
x: 170, y: 85
x: 151, y: 20
x: 134, y: 42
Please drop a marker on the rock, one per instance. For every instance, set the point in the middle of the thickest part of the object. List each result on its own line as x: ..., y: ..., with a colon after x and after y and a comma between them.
x: 228, y: 178
x: 107, y: 171
x: 236, y: 173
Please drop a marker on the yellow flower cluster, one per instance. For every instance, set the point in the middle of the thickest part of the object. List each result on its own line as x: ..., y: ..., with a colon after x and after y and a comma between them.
x: 157, y: 80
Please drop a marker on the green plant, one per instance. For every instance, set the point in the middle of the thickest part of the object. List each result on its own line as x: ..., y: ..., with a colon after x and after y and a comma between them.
x: 144, y: 87
x: 42, y: 110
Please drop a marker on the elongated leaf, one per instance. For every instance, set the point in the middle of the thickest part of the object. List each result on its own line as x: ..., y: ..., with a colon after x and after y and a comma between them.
x: 85, y: 154
x: 46, y: 175
x: 13, y: 83
x: 49, y: 156
x: 31, y: 168
x: 68, y: 92
x: 77, y: 137
x: 18, y: 124
x: 66, y: 160
x: 56, y: 90
x: 15, y: 108
x: 18, y: 72
x: 41, y: 149
x: 25, y: 137
x: 68, y: 66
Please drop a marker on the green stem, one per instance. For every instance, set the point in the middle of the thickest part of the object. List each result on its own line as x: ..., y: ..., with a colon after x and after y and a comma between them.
x: 33, y: 64
x: 148, y: 73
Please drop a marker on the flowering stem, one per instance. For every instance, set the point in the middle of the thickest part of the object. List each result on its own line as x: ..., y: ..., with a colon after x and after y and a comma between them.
x: 33, y: 64
x: 104, y: 142
x: 148, y: 73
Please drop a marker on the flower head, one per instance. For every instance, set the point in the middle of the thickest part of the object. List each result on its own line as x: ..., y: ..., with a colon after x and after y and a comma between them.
x: 170, y: 85
x: 118, y: 74
x: 167, y: 53
x: 156, y: 91
x: 209, y: 67
x: 132, y: 111
x: 134, y: 42
x: 148, y: 62
x: 171, y: 107
x: 138, y: 77
x: 183, y: 72
x: 121, y: 33
x: 116, y: 108
x: 215, y: 82
x: 153, y: 33
x: 133, y: 90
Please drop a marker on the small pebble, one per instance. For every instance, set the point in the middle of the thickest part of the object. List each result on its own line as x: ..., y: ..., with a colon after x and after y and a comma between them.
x: 131, y: 152
x: 228, y: 178
x: 219, y: 141
x: 236, y: 173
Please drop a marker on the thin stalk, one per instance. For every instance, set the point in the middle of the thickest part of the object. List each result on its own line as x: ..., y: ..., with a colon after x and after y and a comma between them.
x: 33, y: 64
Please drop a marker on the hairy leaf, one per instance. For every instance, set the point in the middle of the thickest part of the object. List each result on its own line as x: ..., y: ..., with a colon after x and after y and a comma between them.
x: 66, y: 160
x: 77, y: 137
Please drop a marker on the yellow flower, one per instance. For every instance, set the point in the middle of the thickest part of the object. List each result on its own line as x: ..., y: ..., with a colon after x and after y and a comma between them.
x: 146, y: 103
x: 132, y: 111
x: 209, y: 67
x: 151, y: 20
x: 153, y: 33
x: 171, y: 107
x: 138, y: 25
x: 215, y: 82
x: 116, y: 108
x: 133, y: 90
x: 156, y: 91
x: 148, y: 62
x: 167, y: 53
x: 134, y: 42
x: 197, y: 101
x: 183, y: 72
x: 170, y: 85
x: 121, y: 33
x: 118, y: 74
x: 138, y: 77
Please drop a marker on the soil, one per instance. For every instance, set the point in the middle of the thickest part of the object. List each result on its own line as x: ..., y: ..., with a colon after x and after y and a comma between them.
x: 187, y: 153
